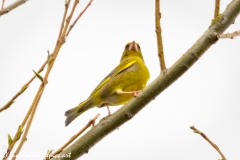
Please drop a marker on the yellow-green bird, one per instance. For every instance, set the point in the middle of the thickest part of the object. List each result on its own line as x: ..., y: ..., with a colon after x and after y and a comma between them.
x: 119, y: 86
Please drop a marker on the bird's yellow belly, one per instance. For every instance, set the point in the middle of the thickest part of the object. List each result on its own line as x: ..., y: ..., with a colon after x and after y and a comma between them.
x: 119, y: 99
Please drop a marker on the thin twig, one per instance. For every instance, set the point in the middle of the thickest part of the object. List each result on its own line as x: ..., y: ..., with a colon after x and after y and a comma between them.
x: 24, y: 87
x: 70, y: 28
x: 32, y: 109
x: 2, y: 4
x: 230, y: 35
x: 159, y: 35
x: 209, y: 141
x: 91, y: 122
x: 11, y: 6
x: 45, y: 79
x: 24, y: 137
x: 33, y: 105
x: 63, y: 20
x: 69, y: 18
x: 17, y: 137
x: 217, y: 7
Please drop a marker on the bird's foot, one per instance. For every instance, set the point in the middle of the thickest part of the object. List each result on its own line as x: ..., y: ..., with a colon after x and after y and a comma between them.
x: 134, y: 93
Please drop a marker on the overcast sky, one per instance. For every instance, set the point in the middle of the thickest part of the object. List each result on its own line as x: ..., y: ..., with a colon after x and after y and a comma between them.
x: 207, y: 96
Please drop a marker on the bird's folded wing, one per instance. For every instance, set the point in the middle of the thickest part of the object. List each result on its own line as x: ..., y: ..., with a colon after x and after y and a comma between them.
x: 120, y: 68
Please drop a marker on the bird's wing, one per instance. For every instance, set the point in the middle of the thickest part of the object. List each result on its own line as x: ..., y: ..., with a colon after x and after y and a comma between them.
x: 120, y: 68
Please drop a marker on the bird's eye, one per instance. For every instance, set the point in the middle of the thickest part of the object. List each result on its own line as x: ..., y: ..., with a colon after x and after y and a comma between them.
x: 127, y: 46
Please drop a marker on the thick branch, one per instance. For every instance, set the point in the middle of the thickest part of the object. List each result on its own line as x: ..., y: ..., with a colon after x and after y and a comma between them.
x: 108, y: 124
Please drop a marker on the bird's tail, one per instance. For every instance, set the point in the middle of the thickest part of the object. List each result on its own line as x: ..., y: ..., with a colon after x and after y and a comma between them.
x: 76, y: 111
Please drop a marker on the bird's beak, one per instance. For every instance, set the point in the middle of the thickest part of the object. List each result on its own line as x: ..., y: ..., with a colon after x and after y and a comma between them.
x: 133, y: 46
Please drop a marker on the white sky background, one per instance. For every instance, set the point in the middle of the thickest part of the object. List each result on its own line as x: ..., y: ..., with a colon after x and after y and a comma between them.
x: 207, y: 96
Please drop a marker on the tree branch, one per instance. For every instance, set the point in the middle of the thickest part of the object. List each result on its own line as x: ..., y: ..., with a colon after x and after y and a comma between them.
x: 130, y: 109
x: 3, y: 1
x: 11, y: 6
x: 159, y: 35
x: 217, y: 7
x: 51, y: 59
x: 230, y: 35
x: 91, y: 122
x: 34, y: 107
x: 209, y: 141
x: 24, y: 87
x: 81, y: 13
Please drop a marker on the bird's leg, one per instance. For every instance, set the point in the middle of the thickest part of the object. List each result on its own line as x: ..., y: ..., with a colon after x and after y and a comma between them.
x: 109, y: 112
x: 134, y: 93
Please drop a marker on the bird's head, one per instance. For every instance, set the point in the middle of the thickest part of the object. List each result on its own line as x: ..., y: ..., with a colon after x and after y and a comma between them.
x: 132, y: 49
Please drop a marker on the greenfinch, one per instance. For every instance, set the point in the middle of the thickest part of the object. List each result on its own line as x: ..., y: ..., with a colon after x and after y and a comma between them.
x: 119, y: 86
